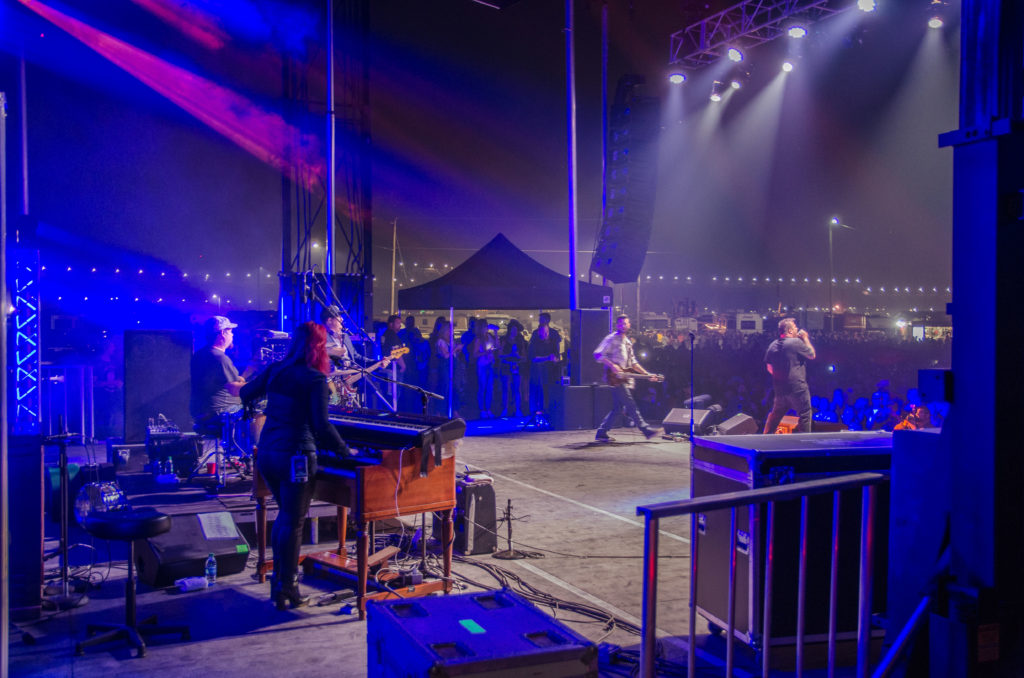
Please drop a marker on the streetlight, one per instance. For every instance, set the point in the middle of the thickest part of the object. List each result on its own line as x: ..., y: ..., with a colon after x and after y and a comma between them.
x: 834, y: 222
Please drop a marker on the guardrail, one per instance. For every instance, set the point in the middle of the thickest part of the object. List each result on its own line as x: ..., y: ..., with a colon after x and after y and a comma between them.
x: 653, y: 513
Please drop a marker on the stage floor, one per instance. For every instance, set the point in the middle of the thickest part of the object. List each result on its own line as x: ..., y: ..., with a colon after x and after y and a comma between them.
x: 576, y: 504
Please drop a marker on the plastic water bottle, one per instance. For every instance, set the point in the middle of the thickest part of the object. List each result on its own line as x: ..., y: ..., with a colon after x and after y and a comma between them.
x: 211, y: 570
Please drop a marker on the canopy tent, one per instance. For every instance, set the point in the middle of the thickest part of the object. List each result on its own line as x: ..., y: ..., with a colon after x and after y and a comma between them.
x: 500, y: 276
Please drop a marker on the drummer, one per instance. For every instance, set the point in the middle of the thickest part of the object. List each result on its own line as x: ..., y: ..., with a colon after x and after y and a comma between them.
x: 215, y: 379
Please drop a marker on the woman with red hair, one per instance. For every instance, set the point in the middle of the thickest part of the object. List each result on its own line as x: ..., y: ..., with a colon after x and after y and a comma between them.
x: 296, y: 426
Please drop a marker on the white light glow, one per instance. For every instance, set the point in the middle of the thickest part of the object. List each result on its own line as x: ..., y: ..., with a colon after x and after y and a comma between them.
x: 866, y: 5
x: 797, y: 32
x: 734, y: 55
x: 935, y: 22
x: 787, y: 66
x: 677, y: 78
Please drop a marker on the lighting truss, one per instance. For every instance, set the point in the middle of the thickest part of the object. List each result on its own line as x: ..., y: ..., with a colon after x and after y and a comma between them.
x: 743, y: 26
x: 25, y: 419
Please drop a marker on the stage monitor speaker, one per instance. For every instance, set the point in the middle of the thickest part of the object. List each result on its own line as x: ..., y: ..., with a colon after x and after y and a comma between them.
x: 589, y: 327
x: 182, y: 552
x: 678, y: 420
x: 738, y: 424
x: 156, y: 379
x: 573, y: 408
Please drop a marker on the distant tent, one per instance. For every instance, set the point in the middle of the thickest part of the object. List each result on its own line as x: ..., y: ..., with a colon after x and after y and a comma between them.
x: 500, y: 276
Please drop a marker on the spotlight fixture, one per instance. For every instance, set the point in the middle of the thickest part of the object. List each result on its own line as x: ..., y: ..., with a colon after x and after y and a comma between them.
x: 734, y: 55
x: 677, y: 78
x: 787, y: 66
x: 735, y: 84
x: 866, y: 5
x: 796, y: 32
x: 716, y: 91
x: 935, y: 22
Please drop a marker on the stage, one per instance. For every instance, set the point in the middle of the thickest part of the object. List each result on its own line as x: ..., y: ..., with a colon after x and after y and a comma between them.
x: 575, y: 502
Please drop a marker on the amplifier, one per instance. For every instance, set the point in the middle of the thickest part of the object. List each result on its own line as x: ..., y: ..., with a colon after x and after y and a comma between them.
x: 182, y: 552
x: 475, y: 516
x: 490, y: 633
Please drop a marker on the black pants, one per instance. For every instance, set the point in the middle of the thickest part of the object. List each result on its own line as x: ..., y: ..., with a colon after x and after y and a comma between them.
x: 292, y: 504
x: 798, y: 401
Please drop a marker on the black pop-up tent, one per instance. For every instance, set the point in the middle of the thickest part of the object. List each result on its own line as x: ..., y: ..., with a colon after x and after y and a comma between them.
x: 501, y: 276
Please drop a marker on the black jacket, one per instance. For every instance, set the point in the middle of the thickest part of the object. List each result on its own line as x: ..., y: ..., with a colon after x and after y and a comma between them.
x: 296, y: 410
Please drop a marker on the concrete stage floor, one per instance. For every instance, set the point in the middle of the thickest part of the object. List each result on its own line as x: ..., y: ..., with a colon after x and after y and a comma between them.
x: 576, y: 504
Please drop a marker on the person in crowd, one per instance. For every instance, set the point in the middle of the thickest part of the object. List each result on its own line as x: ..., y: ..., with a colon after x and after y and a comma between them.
x: 215, y: 379
x: 512, y: 356
x: 484, y: 349
x: 786, y: 360
x: 544, y: 352
x: 440, y: 356
x: 296, y: 426
x: 615, y: 352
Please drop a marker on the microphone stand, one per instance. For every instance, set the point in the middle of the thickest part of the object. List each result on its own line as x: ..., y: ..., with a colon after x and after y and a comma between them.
x: 64, y: 600
x: 692, y: 337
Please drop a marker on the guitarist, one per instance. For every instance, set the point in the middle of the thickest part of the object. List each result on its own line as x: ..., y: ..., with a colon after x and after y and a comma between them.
x: 615, y: 352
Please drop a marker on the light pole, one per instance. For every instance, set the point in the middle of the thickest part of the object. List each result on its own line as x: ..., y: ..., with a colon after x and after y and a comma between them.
x: 833, y: 223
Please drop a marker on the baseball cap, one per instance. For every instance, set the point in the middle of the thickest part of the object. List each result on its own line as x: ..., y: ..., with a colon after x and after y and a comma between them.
x: 330, y: 312
x: 218, y: 323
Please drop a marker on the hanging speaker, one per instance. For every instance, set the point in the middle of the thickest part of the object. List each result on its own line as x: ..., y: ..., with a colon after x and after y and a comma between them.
x: 632, y: 164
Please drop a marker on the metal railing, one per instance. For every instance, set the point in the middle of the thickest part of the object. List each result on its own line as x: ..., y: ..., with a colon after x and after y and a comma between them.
x: 653, y: 513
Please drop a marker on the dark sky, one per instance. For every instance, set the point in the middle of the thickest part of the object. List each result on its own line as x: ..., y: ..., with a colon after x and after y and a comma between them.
x: 469, y: 139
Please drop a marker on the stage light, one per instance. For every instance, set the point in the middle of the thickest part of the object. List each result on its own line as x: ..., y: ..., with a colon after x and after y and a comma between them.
x: 734, y: 55
x: 735, y: 84
x: 787, y: 66
x: 866, y: 5
x: 935, y: 22
x: 677, y: 78
x: 716, y: 91
x: 797, y: 32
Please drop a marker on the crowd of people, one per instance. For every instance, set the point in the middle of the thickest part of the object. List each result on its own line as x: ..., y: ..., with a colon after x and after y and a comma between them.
x: 856, y: 379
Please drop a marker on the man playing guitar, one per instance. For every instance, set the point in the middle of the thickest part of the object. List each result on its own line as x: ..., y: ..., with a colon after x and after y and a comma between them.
x: 615, y: 352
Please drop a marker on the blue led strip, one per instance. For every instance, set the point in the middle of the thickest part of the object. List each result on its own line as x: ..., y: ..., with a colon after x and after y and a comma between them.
x: 25, y: 417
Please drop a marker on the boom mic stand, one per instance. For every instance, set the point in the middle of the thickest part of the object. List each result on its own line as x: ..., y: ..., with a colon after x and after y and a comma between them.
x: 63, y: 600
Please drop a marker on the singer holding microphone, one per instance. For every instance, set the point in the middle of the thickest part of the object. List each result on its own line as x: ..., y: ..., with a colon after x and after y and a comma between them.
x: 786, y: 361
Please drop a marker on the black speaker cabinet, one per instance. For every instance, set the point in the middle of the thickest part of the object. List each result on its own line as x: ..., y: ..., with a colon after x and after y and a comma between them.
x: 475, y: 518
x: 589, y: 327
x: 722, y: 464
x: 678, y: 421
x: 156, y: 379
x: 25, y: 469
x: 182, y: 552
x: 573, y: 408
x: 738, y: 424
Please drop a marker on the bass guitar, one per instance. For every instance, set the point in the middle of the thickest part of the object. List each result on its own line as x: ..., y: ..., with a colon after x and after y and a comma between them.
x: 613, y: 378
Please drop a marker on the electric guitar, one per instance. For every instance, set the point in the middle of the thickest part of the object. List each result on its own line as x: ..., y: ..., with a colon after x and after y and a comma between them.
x: 613, y: 378
x: 342, y: 382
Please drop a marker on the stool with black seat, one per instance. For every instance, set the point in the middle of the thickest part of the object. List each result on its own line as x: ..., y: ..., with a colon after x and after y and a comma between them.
x: 128, y: 526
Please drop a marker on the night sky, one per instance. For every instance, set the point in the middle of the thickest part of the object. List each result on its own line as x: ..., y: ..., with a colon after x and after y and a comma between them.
x: 469, y: 138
